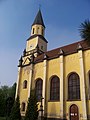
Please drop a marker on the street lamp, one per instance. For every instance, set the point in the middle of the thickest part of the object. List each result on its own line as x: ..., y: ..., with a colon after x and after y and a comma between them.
x: 41, y: 110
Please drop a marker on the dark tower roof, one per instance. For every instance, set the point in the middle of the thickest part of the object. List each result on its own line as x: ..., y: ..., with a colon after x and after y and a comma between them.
x: 39, y: 19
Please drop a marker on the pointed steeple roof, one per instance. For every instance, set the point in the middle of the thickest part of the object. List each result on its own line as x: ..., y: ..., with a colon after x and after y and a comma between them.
x: 39, y: 19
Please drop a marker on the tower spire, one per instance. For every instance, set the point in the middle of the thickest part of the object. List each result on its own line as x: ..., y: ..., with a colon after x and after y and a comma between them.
x: 36, y: 43
x: 38, y: 19
x: 38, y: 27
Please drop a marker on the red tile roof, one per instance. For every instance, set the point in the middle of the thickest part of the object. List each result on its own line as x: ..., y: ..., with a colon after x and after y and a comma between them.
x: 68, y: 49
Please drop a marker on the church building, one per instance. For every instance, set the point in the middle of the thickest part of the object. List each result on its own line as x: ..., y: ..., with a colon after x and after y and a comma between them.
x: 61, y: 76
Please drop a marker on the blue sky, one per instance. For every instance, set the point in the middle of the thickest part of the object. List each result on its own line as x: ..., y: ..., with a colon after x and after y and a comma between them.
x: 62, y: 19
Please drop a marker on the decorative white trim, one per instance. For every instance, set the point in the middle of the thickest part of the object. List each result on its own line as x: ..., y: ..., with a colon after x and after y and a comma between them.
x: 82, y: 82
x: 88, y: 84
x: 18, y: 80
x: 61, y: 87
x: 44, y: 86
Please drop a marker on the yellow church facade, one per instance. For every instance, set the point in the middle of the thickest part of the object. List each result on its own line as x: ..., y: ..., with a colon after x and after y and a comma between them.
x: 61, y: 76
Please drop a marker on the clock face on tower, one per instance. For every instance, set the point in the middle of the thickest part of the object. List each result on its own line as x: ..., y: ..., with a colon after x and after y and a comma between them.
x: 31, y: 46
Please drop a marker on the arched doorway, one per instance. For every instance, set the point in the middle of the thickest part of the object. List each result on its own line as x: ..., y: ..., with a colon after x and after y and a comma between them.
x: 74, y: 115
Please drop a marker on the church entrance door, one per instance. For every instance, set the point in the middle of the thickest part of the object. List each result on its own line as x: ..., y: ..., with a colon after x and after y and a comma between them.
x: 74, y: 112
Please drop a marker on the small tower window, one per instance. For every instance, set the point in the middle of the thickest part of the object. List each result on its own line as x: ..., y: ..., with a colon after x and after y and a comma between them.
x: 23, y: 106
x: 42, y: 32
x: 25, y: 84
x: 38, y: 30
x: 33, y: 30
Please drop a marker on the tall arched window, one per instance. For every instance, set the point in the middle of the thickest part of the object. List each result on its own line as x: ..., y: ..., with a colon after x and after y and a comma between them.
x: 73, y: 87
x: 55, y: 88
x: 25, y: 84
x: 38, y: 86
x: 23, y: 106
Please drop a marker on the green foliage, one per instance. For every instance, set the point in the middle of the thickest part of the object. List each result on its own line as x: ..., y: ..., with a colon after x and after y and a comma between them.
x: 2, y: 103
x: 5, y: 90
x: 2, y: 118
x: 10, y: 99
x: 32, y: 108
x: 6, y: 95
x: 12, y: 91
x: 15, y: 112
x: 9, y: 104
x: 85, y: 30
x: 3, y: 97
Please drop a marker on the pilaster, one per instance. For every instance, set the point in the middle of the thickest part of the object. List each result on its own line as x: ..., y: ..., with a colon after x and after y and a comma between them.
x: 44, y: 85
x: 18, y: 81
x: 82, y: 84
x: 30, y: 79
x: 61, y: 85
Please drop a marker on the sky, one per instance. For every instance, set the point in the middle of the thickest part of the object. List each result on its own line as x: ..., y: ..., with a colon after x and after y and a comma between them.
x: 62, y: 19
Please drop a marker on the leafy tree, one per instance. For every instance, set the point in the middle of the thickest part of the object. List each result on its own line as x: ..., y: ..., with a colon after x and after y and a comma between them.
x: 85, y: 30
x: 12, y: 91
x: 3, y: 97
x: 32, y: 108
x: 9, y: 105
x: 5, y: 90
x: 7, y: 97
x: 2, y: 103
x: 10, y: 99
x: 15, y: 112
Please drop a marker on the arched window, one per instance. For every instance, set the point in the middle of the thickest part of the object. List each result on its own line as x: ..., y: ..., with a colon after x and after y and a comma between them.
x: 55, y: 88
x: 38, y: 86
x: 73, y: 87
x: 23, y: 106
x: 25, y: 84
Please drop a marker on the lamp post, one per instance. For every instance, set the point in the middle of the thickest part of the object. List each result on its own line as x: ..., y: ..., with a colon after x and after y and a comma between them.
x: 41, y: 110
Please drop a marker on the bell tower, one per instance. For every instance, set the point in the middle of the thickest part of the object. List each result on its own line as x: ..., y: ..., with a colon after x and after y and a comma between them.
x: 38, y: 26
x: 36, y: 43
